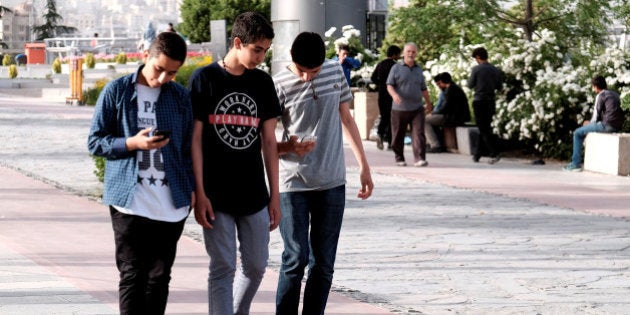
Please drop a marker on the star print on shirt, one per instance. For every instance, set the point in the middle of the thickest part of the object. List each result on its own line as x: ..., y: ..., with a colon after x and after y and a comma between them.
x: 152, y: 180
x: 164, y: 181
x: 140, y: 178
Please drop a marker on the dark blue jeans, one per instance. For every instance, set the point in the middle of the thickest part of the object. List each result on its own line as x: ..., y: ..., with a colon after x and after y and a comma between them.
x: 324, y: 209
x: 145, y: 252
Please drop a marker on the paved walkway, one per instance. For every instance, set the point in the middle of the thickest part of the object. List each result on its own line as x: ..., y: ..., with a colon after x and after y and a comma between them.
x: 453, y: 238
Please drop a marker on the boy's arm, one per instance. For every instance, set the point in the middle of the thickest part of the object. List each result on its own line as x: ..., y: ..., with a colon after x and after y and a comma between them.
x: 293, y: 145
x: 103, y: 140
x: 351, y: 132
x: 203, y: 208
x: 270, y: 155
x: 355, y: 63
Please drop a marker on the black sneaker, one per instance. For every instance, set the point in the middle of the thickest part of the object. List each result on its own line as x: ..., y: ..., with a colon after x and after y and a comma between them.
x: 494, y: 160
x: 379, y: 143
x: 476, y: 158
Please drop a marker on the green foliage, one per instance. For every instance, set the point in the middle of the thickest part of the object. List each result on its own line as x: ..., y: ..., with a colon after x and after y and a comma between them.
x: 197, y: 14
x: 13, y: 71
x: 56, y: 66
x: 90, y: 96
x: 51, y: 26
x: 99, y: 163
x: 90, y: 62
x: 121, y: 58
x: 7, y: 60
x: 469, y: 22
x: 185, y: 71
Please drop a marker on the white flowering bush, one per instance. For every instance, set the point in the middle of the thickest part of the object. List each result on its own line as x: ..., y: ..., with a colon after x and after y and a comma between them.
x: 547, y: 91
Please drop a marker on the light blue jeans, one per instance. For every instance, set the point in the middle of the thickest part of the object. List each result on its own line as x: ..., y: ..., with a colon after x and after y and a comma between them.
x: 229, y: 291
x: 578, y: 140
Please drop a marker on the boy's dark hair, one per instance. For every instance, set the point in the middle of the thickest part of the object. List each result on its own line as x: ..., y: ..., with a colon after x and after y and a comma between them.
x: 480, y: 52
x: 308, y: 50
x: 344, y: 47
x: 170, y: 44
x: 599, y: 82
x: 393, y: 50
x: 250, y: 27
x: 443, y: 77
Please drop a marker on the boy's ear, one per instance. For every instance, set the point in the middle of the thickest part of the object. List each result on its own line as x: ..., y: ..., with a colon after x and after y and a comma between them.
x: 145, y: 56
x: 237, y: 43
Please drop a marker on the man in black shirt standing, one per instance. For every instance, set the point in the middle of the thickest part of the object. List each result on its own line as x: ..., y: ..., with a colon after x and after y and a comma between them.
x: 379, y: 77
x: 484, y: 79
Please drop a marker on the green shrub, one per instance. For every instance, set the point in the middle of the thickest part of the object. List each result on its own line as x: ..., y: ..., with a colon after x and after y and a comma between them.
x: 121, y: 58
x: 6, y: 60
x: 185, y: 71
x: 90, y: 96
x: 90, y: 62
x: 99, y: 163
x: 56, y: 66
x: 13, y: 71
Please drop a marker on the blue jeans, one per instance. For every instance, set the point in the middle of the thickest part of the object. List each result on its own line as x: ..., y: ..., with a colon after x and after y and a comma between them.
x: 231, y: 290
x: 325, y: 209
x: 578, y: 140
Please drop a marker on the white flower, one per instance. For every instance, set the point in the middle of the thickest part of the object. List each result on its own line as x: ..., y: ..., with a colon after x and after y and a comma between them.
x: 330, y: 31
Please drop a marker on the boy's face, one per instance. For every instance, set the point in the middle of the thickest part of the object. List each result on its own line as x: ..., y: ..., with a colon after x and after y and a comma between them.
x: 343, y: 54
x: 252, y: 54
x: 158, y: 70
x: 306, y: 74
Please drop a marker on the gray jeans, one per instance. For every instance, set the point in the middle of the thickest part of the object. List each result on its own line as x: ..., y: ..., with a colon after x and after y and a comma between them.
x: 229, y: 291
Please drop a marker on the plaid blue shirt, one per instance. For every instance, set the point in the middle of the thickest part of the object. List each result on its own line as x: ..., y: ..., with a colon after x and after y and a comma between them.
x: 116, y: 119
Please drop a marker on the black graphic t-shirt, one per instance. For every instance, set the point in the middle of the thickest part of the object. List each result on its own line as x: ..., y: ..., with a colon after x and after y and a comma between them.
x: 233, y: 110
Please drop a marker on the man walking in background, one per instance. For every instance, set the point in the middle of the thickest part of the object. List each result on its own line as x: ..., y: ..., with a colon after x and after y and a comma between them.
x: 407, y: 86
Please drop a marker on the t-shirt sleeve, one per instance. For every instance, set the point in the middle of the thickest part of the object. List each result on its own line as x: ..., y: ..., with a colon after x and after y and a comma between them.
x: 391, y: 77
x: 346, y: 94
x: 274, y: 109
x: 200, y: 91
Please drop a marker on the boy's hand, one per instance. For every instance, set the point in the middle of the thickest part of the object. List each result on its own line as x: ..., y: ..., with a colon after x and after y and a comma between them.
x: 301, y: 148
x: 274, y: 213
x: 203, y: 211
x: 142, y: 141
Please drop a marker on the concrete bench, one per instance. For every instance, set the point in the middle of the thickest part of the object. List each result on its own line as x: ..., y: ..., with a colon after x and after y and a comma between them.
x: 607, y: 153
x: 467, y: 139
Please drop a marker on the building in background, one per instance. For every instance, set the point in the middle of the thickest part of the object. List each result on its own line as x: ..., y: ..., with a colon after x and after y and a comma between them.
x: 16, y: 26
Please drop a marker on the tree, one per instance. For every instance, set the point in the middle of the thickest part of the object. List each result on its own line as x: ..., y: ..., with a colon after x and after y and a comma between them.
x: 197, y: 15
x: 51, y: 27
x: 438, y: 26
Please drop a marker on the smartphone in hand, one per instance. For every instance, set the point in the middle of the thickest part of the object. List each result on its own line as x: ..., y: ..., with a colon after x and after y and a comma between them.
x: 164, y: 133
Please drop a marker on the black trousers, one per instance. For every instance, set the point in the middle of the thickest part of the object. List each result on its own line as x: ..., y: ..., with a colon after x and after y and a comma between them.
x: 145, y: 252
x: 484, y: 110
x: 385, y: 108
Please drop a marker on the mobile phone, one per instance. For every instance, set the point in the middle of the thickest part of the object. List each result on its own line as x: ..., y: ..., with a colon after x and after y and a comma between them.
x: 308, y: 138
x: 164, y: 133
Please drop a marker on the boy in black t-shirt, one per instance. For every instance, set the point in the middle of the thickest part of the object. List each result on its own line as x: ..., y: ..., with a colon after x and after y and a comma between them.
x: 236, y: 108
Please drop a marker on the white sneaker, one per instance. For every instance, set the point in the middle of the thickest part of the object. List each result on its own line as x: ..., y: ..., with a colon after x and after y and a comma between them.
x: 421, y: 163
x: 401, y: 163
